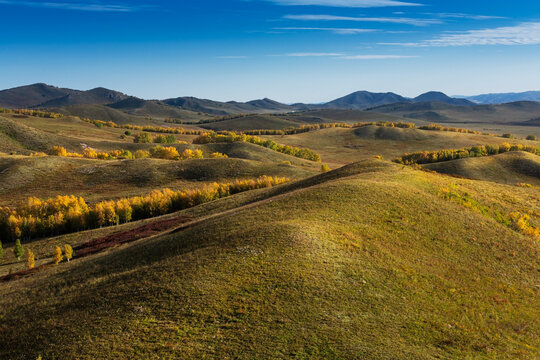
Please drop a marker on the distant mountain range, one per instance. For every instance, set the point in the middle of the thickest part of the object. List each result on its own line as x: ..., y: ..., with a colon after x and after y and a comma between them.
x: 503, y: 97
x: 109, y: 103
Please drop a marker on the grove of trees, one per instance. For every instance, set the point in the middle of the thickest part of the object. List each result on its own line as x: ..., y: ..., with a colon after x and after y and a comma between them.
x: 65, y: 214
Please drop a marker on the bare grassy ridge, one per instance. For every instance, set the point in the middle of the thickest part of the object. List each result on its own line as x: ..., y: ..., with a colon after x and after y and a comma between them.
x: 364, y: 262
x: 508, y: 168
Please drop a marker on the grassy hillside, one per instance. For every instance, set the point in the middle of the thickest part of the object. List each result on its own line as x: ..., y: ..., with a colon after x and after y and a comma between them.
x: 368, y: 261
x: 253, y: 122
x: 508, y: 168
x: 339, y: 146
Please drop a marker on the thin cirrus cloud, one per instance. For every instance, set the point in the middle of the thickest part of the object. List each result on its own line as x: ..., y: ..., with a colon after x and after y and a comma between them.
x: 522, y: 34
x: 344, y: 3
x: 347, y: 57
x: 312, y: 54
x: 97, y: 7
x: 340, y: 31
x: 392, y: 20
x: 467, y: 16
x: 376, y: 57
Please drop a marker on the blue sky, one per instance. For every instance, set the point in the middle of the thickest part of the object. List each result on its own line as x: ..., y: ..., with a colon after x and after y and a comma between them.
x: 288, y: 50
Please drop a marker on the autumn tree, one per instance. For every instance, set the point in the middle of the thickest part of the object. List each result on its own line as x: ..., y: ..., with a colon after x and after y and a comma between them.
x: 68, y: 251
x: 57, y: 256
x: 18, y: 250
x: 325, y: 168
x: 143, y: 137
x: 30, y: 259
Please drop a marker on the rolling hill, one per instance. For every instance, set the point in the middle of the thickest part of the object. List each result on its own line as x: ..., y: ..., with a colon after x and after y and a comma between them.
x: 508, y: 168
x: 368, y: 261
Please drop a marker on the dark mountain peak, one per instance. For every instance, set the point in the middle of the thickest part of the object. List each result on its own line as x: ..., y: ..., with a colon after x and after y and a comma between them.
x: 441, y: 97
x: 364, y: 99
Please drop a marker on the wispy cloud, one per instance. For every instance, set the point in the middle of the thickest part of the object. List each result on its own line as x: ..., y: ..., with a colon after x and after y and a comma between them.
x: 347, y: 56
x: 394, y: 20
x: 522, y: 34
x: 345, y: 3
x: 376, y: 57
x: 466, y: 16
x: 91, y: 6
x: 341, y: 31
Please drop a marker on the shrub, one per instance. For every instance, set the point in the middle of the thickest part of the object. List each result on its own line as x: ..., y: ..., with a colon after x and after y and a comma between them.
x: 142, y: 138
x: 58, y: 151
x: 168, y: 153
x: 218, y: 155
x: 38, y: 154
x: 127, y: 133
x: 508, y: 136
x: 325, y: 168
x: 68, y: 251
x: 57, y: 256
x: 18, y: 250
x: 141, y: 154
x: 532, y: 137
x: 30, y: 259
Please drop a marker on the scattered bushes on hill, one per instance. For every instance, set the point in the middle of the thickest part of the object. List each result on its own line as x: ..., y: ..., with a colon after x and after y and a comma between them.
x: 35, y: 113
x: 437, y: 127
x: 146, y: 138
x: 427, y: 157
x: 230, y: 137
x: 147, y: 128
x: 65, y: 214
x: 532, y: 137
x: 515, y: 220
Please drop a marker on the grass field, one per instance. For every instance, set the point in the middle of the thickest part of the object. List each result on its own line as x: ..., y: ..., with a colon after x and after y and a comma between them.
x: 368, y: 261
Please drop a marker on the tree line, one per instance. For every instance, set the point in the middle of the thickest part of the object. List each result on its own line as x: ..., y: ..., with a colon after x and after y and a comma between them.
x: 34, y: 113
x: 66, y: 214
x: 157, y: 152
x: 426, y: 157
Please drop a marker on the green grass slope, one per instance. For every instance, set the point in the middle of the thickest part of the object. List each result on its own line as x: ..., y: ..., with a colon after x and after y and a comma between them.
x: 366, y: 262
x: 508, y: 168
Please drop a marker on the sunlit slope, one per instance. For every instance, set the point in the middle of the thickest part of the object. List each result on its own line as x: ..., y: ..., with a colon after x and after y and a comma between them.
x: 508, y: 168
x: 366, y: 262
